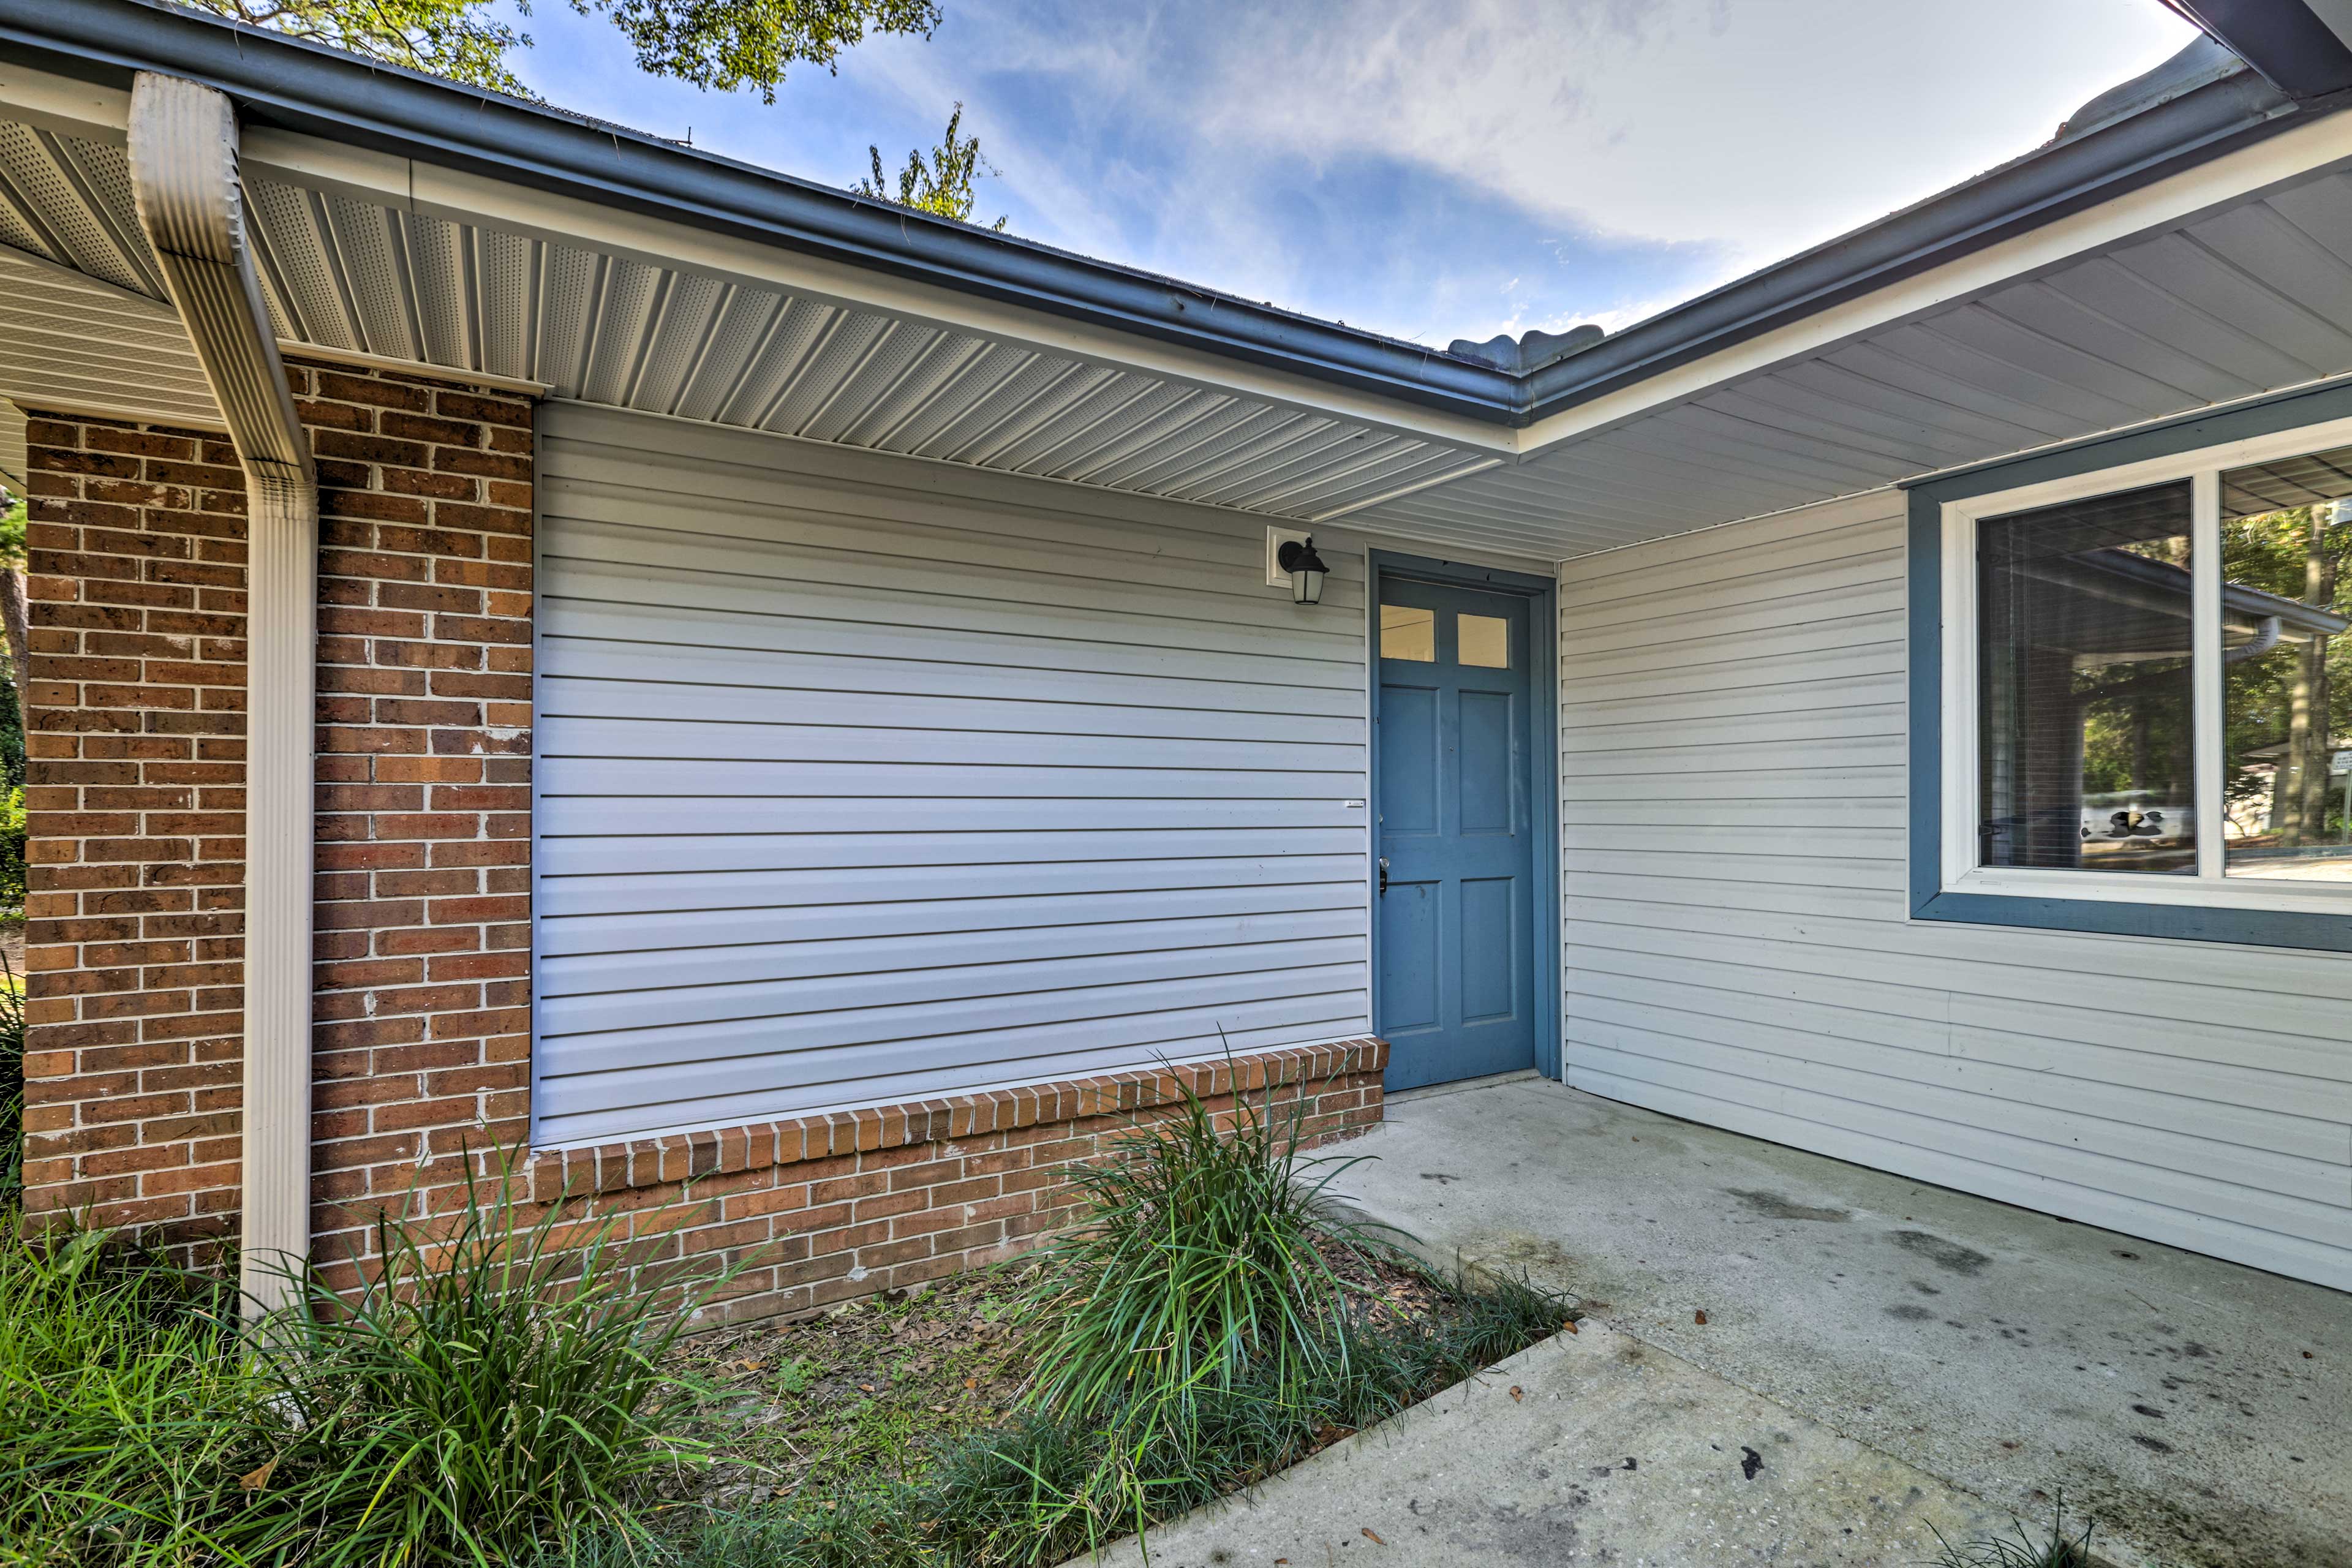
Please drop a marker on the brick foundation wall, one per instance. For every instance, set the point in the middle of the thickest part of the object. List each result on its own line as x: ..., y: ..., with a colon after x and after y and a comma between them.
x: 420, y: 1038
x: 824, y: 1208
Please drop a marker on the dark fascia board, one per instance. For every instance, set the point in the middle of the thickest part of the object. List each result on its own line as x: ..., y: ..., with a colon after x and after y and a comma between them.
x: 305, y: 87
x: 2298, y: 54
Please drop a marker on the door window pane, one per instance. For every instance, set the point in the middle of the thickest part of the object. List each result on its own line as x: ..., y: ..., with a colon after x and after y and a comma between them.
x: 1484, y: 641
x: 2085, y: 722
x: 2286, y: 683
x: 1408, y: 632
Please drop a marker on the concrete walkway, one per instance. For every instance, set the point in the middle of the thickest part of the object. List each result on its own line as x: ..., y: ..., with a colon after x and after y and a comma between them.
x: 1890, y: 1355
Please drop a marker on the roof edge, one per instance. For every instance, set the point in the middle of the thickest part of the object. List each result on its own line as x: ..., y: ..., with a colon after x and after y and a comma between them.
x: 2059, y: 178
x: 305, y: 87
x: 296, y: 86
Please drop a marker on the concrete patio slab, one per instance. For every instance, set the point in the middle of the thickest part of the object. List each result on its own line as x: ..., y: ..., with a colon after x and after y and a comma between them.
x: 2196, y: 1408
x: 1591, y: 1447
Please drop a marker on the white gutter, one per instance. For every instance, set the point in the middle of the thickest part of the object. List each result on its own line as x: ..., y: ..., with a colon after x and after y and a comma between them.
x: 184, y: 173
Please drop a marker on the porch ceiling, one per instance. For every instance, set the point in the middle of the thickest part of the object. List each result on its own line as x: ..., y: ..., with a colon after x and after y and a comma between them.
x: 347, y: 275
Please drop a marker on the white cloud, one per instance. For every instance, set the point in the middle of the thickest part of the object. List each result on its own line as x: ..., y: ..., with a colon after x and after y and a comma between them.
x: 1296, y: 149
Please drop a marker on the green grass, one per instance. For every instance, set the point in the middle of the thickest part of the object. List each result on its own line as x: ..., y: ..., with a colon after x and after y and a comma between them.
x: 12, y: 1080
x: 2057, y: 1548
x: 123, y: 1405
x: 504, y: 1393
x: 498, y: 1391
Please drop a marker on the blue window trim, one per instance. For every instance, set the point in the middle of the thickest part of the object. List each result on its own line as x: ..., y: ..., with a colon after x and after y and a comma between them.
x: 1929, y: 901
x: 1543, y: 774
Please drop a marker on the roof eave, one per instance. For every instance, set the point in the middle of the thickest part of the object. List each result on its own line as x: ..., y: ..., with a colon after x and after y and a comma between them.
x: 298, y: 87
x: 321, y: 92
x: 2063, y: 177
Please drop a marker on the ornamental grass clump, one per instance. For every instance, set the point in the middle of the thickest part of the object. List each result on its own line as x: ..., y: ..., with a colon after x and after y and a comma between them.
x: 1204, y: 1262
x: 1197, y: 1312
x: 496, y: 1389
x: 496, y: 1393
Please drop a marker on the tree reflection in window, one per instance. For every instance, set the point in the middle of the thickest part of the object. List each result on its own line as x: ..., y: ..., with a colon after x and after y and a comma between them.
x: 2286, y: 531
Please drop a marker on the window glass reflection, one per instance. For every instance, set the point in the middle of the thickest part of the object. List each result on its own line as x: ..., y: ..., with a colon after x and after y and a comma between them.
x: 1408, y: 632
x: 1482, y: 641
x: 2085, y: 703
x: 2286, y: 704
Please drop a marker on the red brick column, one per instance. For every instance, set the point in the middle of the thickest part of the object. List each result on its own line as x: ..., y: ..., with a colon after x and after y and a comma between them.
x: 423, y: 1010
x: 134, y: 739
x: 135, y: 745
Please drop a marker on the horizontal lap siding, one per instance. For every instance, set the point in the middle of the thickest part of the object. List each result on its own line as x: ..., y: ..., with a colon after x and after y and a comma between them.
x: 1733, y: 727
x: 866, y: 780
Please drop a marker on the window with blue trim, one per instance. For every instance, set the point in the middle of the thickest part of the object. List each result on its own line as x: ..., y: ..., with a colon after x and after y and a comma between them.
x: 2145, y: 691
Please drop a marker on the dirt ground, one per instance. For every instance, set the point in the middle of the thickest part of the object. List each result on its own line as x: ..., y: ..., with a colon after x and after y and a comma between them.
x: 875, y: 1386
x: 871, y: 1387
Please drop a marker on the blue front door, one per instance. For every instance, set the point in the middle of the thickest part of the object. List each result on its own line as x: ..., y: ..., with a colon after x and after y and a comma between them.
x: 1454, y: 910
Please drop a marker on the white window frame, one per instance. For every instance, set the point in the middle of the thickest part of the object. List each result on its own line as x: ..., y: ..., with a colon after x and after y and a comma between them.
x: 1962, y: 805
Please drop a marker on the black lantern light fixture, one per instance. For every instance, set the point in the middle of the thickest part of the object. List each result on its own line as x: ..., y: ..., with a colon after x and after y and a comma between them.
x: 1305, y: 569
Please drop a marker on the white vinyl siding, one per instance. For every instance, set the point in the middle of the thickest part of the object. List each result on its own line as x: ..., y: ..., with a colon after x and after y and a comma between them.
x: 862, y: 780
x: 1737, y: 947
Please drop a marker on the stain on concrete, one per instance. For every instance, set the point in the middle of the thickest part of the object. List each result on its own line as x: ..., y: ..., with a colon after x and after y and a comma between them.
x: 1750, y: 1461
x: 1948, y: 1255
x: 1540, y: 1536
x: 1774, y: 1205
x: 2184, y: 1525
x: 1514, y: 1252
x: 1910, y: 1314
x: 1922, y: 1287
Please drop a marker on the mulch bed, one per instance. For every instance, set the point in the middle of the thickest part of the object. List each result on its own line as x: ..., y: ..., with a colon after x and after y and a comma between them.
x: 873, y: 1387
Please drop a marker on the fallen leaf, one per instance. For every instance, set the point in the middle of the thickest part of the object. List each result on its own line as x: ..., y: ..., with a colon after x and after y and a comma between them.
x: 972, y: 1383
x: 2306, y: 1355
x: 868, y: 1388
x: 254, y: 1480
x: 1374, y: 1539
x: 1517, y: 1393
x: 1569, y: 1325
x: 1700, y: 1317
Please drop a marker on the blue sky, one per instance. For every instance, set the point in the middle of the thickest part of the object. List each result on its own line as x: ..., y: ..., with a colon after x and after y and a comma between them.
x: 1430, y: 169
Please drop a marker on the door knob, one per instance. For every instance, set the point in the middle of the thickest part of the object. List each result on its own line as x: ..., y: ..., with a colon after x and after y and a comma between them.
x: 1384, y: 873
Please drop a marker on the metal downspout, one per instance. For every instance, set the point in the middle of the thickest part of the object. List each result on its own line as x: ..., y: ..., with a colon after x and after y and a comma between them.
x: 183, y: 172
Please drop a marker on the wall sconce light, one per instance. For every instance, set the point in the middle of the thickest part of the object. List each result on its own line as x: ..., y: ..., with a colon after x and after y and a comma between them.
x: 1305, y: 569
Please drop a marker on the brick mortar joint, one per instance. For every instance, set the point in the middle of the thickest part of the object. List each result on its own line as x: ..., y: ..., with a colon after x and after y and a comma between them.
x: 679, y: 1158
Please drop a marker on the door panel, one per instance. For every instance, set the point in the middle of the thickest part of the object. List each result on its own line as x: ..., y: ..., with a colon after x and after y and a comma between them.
x: 1489, y: 944
x: 1456, y: 834
x: 1482, y: 762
